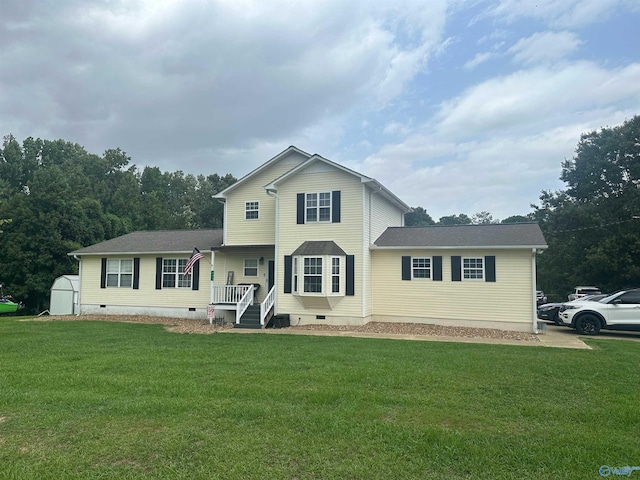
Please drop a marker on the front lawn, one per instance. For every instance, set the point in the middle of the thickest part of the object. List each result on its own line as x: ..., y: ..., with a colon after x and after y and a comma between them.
x: 111, y: 400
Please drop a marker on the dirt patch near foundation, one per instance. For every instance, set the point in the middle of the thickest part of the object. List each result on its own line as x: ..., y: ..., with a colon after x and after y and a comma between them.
x: 181, y: 325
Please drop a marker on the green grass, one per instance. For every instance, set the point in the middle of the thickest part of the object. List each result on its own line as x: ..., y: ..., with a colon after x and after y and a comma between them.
x: 106, y: 400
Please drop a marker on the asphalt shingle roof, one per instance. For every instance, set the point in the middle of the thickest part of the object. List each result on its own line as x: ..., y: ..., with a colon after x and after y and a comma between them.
x: 163, y: 241
x: 486, y: 235
x: 314, y: 247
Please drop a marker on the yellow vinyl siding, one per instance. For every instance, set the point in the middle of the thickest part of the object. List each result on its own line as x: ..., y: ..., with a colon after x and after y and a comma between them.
x: 146, y: 295
x: 347, y: 234
x: 508, y: 299
x: 259, y: 231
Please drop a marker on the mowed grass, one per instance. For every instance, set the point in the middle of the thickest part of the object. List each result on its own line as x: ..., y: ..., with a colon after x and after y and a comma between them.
x: 108, y: 400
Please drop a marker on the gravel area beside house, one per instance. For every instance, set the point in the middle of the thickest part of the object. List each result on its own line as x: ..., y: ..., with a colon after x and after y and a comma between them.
x: 180, y: 325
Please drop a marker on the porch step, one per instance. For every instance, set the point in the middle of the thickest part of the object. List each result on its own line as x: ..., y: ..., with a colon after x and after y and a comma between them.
x: 250, y: 318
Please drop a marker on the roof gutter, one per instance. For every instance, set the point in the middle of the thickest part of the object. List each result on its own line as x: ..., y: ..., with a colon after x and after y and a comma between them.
x: 457, y: 247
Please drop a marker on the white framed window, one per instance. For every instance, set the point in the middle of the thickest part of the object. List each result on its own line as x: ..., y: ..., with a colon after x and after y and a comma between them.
x: 312, y: 274
x: 318, y: 207
x: 473, y: 268
x: 335, y: 275
x: 251, y: 210
x: 120, y: 272
x: 172, y: 273
x: 250, y: 267
x: 421, y: 267
x: 295, y: 274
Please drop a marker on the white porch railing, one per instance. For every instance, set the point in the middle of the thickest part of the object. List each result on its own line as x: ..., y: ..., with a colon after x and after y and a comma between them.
x: 266, y: 305
x: 239, y: 297
x: 228, y: 293
x: 243, y: 304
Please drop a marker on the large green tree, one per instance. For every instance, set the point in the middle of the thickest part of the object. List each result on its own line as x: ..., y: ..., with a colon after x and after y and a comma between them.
x: 56, y: 197
x: 591, y: 227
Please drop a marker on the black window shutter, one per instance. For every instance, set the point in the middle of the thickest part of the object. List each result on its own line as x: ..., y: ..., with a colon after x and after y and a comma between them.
x: 195, y: 276
x: 490, y: 268
x: 351, y: 277
x: 456, y: 269
x: 287, y: 274
x: 406, y: 268
x: 437, y: 269
x: 136, y: 273
x: 103, y: 273
x: 158, y: 273
x: 300, y: 209
x: 335, y: 206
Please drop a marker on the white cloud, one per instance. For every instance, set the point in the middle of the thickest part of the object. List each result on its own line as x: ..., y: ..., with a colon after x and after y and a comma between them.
x: 544, y: 47
x: 533, y: 96
x: 478, y: 59
x: 561, y: 13
x: 220, y: 73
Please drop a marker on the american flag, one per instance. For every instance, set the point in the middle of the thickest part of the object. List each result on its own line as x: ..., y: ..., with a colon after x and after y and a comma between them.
x: 195, y: 256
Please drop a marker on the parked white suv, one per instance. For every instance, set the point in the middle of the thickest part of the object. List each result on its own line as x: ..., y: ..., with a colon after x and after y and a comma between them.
x: 579, y: 292
x: 620, y: 311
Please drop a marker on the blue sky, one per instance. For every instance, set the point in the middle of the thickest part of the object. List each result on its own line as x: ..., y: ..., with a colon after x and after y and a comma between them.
x: 456, y: 106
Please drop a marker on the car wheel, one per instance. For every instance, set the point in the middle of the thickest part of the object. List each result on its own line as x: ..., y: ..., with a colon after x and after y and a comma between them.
x: 588, y: 324
x: 556, y: 318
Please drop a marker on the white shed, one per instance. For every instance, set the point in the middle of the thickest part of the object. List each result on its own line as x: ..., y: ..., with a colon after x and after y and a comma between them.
x: 65, y: 295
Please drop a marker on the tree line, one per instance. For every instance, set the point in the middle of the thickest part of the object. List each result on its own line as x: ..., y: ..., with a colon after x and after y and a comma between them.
x: 55, y: 197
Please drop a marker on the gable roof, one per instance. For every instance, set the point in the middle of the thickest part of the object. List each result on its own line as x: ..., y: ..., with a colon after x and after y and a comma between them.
x: 273, y: 186
x: 513, y: 235
x: 262, y: 167
x: 162, y: 241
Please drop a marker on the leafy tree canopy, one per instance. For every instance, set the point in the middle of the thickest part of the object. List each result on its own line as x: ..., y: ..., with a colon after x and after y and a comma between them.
x: 56, y: 197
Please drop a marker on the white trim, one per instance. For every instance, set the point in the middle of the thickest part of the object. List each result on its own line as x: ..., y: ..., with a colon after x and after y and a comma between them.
x: 533, y: 292
x: 285, y: 152
x: 459, y: 247
x: 366, y: 239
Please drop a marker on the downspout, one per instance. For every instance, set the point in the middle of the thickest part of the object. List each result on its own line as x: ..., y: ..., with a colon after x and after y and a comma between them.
x: 274, y: 194
x: 533, y: 291
x: 224, y: 221
x: 212, y: 276
x: 366, y: 250
x: 79, y: 260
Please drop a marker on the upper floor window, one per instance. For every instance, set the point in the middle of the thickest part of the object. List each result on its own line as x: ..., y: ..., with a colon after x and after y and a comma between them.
x: 318, y: 207
x: 173, y: 273
x: 250, y: 267
x: 421, y: 267
x: 251, y: 210
x: 472, y: 268
x: 120, y: 272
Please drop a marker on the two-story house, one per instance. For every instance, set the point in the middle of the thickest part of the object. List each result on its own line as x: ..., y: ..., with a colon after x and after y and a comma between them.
x: 310, y: 239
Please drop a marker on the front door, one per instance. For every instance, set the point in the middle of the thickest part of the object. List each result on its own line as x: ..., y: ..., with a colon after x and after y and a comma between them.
x: 271, y: 275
